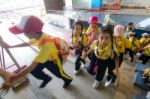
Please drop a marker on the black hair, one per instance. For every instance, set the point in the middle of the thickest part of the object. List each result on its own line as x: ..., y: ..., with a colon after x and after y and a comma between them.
x: 130, y: 23
x: 77, y: 23
x: 109, y: 29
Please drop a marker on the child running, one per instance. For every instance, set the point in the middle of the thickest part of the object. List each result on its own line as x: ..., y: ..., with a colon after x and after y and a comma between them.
x: 49, y: 55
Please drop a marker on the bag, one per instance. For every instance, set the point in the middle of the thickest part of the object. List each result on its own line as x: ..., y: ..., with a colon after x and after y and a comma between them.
x: 61, y: 45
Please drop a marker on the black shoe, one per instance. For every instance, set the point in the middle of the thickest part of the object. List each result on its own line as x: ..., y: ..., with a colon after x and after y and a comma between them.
x: 67, y: 83
x: 45, y: 82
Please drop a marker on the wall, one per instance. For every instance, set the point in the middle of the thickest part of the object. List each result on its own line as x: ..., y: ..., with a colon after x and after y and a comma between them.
x: 131, y: 3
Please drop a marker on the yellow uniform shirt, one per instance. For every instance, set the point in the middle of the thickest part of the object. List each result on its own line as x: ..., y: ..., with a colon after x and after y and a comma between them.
x: 147, y: 50
x: 103, y: 53
x: 46, y: 52
x: 122, y: 43
x: 144, y: 41
x: 135, y: 43
x: 89, y: 31
x: 83, y: 37
x: 75, y: 40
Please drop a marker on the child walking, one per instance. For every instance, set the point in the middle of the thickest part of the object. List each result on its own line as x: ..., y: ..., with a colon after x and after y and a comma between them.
x: 79, y: 41
x: 103, y: 51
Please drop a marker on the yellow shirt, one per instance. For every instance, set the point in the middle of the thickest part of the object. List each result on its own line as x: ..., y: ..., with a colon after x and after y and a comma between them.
x: 103, y: 53
x: 75, y: 40
x: 144, y: 41
x: 135, y: 43
x: 89, y: 31
x: 84, y: 40
x: 46, y: 52
x: 147, y: 50
x: 122, y: 43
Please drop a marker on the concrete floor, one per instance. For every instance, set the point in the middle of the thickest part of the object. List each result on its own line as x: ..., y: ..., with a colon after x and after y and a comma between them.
x: 80, y: 88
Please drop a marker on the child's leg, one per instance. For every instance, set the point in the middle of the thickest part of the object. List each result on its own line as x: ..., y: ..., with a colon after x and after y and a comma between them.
x: 59, y: 72
x: 78, y: 63
x: 131, y: 53
x: 111, y: 67
x: 144, y: 59
x: 39, y: 74
x: 102, y: 65
x: 120, y: 58
x: 92, y: 64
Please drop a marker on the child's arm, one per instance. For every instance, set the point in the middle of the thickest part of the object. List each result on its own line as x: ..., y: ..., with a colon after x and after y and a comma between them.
x: 19, y: 45
x: 2, y: 43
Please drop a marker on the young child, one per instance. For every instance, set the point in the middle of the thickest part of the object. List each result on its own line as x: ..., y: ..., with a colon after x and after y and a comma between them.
x: 129, y: 29
x: 93, y: 30
x: 121, y: 42
x: 135, y: 45
x: 103, y: 51
x: 144, y: 40
x: 48, y: 56
x: 144, y: 54
x: 79, y: 39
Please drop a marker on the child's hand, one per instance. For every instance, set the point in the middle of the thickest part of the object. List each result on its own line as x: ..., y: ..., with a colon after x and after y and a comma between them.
x: 9, y: 79
x: 84, y: 55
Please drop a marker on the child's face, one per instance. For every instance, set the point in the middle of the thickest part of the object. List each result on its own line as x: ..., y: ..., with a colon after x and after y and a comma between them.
x: 94, y: 25
x: 131, y: 27
x: 104, y: 39
x: 77, y: 29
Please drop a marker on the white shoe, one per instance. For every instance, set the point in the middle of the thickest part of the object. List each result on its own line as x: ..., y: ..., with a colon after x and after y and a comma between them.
x: 96, y: 84
x: 76, y: 72
x: 138, y: 55
x: 107, y: 83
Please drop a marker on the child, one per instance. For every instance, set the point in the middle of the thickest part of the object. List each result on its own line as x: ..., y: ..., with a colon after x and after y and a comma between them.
x: 79, y: 39
x: 144, y: 40
x: 103, y: 51
x: 93, y: 30
x: 135, y: 45
x: 48, y: 56
x: 79, y: 43
x: 129, y: 29
x: 144, y: 54
x: 121, y: 42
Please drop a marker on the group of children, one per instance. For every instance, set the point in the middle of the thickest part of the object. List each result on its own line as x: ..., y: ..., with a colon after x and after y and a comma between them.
x: 104, y: 46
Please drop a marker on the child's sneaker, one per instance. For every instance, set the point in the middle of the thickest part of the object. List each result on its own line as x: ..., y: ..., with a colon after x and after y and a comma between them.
x: 96, y: 84
x: 108, y: 82
x: 76, y: 71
